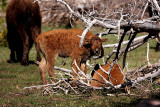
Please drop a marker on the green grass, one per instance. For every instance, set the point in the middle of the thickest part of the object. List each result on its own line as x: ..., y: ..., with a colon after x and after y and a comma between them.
x: 137, y: 57
x: 14, y: 77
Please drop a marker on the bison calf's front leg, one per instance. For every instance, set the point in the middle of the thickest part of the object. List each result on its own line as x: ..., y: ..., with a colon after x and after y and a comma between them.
x: 74, y: 72
x: 76, y: 66
x: 84, y: 70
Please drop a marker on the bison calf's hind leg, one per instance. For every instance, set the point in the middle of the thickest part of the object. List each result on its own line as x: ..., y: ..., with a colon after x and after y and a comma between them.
x: 38, y: 50
x: 50, y: 65
x: 42, y: 68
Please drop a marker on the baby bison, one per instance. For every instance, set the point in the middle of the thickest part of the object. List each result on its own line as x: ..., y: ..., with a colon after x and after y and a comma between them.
x: 65, y: 43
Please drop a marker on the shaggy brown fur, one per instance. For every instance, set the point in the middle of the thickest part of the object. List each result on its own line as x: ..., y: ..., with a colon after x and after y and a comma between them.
x: 116, y: 76
x: 23, y: 20
x: 65, y: 43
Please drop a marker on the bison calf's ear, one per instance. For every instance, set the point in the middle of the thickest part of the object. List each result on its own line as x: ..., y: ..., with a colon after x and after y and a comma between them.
x: 86, y: 43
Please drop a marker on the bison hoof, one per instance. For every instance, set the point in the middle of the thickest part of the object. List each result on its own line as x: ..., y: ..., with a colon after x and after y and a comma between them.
x: 25, y: 63
x: 12, y: 61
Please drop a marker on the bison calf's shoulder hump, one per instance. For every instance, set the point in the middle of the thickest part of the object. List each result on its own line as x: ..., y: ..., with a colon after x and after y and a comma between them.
x: 23, y: 20
x: 65, y: 43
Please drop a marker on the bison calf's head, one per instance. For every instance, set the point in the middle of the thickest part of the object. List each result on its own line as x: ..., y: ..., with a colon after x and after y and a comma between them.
x: 95, y: 45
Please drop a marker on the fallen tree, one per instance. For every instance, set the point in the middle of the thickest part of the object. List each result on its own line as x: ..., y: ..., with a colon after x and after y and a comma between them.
x: 126, y: 24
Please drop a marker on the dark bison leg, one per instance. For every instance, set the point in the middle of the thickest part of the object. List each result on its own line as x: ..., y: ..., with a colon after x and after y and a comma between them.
x: 25, y: 50
x: 11, y: 44
x: 12, y: 54
x: 12, y: 57
x: 19, y: 53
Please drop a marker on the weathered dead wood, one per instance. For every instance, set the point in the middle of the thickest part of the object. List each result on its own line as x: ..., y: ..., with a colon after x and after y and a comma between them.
x: 142, y: 68
x: 89, y: 23
x: 62, y: 69
x: 149, y: 75
x: 59, y: 68
x: 139, y: 41
x: 111, y: 32
x: 124, y: 42
x: 41, y: 86
x: 65, y: 86
x: 156, y: 5
x: 144, y: 25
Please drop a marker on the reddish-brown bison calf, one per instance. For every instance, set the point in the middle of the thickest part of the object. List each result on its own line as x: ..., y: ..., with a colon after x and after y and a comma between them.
x: 65, y: 43
x: 23, y: 20
x: 116, y: 76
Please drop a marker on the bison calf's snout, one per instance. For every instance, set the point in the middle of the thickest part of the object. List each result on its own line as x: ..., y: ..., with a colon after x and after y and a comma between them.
x: 97, y: 52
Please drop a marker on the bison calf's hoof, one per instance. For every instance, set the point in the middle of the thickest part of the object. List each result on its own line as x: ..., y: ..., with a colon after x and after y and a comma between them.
x: 74, y: 84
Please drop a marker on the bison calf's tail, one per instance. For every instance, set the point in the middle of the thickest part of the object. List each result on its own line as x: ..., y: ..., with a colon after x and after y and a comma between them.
x: 37, y: 46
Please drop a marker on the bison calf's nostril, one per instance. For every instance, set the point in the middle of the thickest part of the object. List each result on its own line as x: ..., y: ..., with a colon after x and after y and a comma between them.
x: 97, y: 51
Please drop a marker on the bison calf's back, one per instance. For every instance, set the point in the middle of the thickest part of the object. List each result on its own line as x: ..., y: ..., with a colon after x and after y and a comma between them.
x: 65, y: 43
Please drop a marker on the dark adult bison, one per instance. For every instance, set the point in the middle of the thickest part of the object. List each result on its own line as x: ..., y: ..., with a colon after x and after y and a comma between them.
x: 23, y: 20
